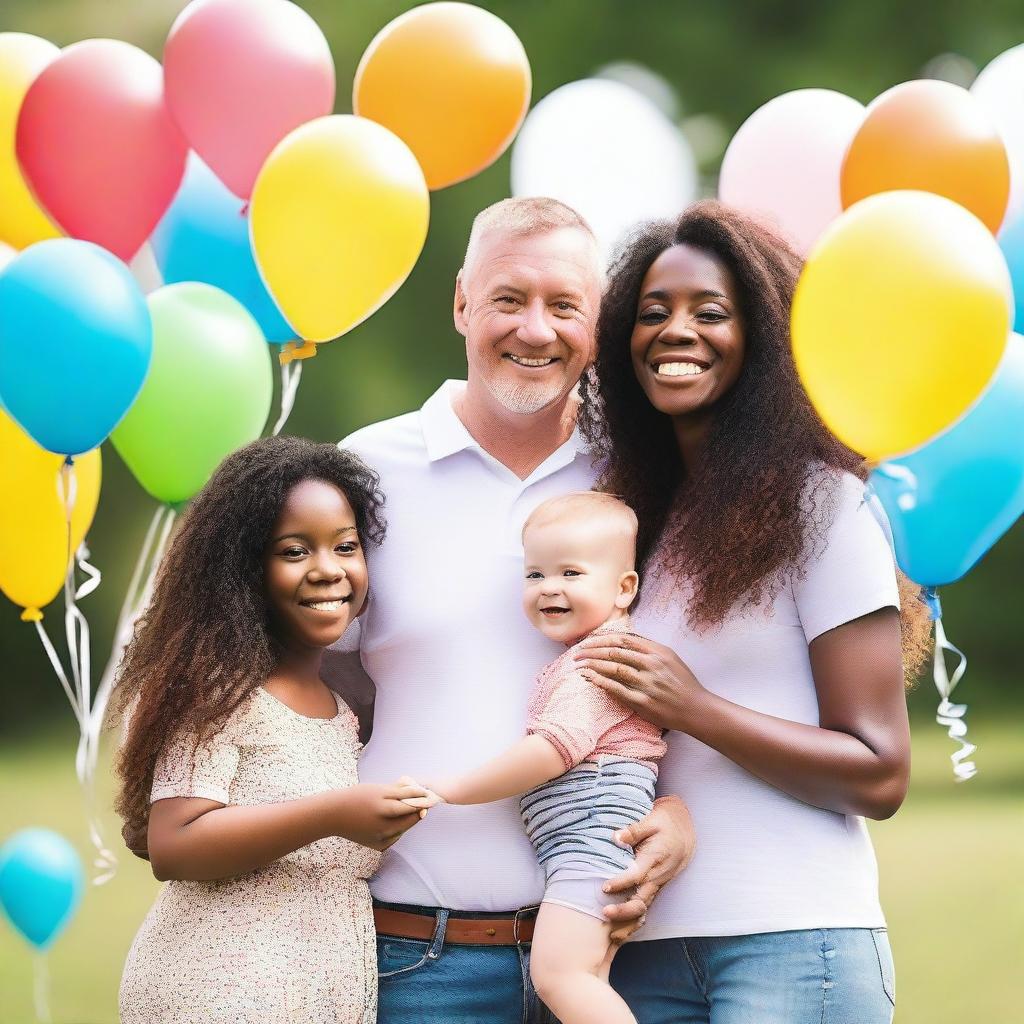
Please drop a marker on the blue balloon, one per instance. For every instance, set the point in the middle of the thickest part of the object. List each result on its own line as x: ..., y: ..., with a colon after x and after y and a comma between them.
x: 75, y: 343
x: 951, y: 500
x: 204, y: 236
x: 41, y: 883
x: 1011, y: 241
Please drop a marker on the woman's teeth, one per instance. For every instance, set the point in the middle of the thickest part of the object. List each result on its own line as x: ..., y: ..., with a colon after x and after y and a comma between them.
x: 325, y: 606
x: 678, y: 369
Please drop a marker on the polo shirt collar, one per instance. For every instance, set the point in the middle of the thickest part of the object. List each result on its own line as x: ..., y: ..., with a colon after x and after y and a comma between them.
x: 445, y: 434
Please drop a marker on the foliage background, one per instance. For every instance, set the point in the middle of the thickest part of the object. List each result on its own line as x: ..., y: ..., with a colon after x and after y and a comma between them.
x: 724, y: 60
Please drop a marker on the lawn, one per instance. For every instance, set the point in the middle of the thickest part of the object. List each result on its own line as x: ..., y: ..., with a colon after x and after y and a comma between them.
x: 951, y: 864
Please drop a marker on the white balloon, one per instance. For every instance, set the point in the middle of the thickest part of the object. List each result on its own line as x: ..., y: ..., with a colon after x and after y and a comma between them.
x: 609, y: 153
x: 1000, y: 89
x: 784, y: 162
x: 7, y: 253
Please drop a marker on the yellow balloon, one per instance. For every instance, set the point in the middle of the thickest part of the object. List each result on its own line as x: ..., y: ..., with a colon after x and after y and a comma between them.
x: 900, y: 319
x: 338, y: 217
x: 33, y: 527
x: 22, y: 57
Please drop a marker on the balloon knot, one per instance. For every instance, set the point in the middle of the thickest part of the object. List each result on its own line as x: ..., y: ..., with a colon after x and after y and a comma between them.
x: 31, y: 615
x: 930, y: 596
x: 304, y: 351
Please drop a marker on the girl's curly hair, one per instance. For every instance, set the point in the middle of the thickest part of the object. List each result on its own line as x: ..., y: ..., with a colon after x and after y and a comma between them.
x: 205, y: 643
x: 758, y: 500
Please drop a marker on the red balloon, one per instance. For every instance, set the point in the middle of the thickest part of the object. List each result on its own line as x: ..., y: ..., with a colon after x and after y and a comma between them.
x: 98, y: 146
x: 241, y: 75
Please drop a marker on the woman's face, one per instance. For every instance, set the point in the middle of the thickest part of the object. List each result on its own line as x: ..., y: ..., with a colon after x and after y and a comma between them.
x: 687, y: 344
x: 313, y: 567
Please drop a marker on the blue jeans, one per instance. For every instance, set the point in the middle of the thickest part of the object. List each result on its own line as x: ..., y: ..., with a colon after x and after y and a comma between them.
x: 439, y: 983
x: 822, y: 976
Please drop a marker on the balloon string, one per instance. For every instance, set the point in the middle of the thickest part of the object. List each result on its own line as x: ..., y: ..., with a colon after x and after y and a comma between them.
x: 41, y: 988
x: 291, y: 374
x: 949, y: 715
x: 58, y: 669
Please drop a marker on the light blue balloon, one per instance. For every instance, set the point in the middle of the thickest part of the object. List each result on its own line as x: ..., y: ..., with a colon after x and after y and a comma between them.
x: 75, y: 342
x: 1011, y: 241
x: 951, y: 500
x: 41, y: 883
x: 204, y: 236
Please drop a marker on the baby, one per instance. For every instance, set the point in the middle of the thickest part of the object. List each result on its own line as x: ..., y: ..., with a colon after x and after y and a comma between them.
x: 588, y: 764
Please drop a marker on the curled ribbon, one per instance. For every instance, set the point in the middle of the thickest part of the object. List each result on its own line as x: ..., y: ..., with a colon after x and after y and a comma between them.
x: 949, y: 715
x: 291, y: 374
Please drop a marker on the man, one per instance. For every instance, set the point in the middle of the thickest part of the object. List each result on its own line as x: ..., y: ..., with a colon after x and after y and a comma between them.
x: 444, y: 639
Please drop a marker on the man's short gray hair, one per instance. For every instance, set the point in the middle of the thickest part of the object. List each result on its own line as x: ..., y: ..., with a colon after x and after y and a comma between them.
x: 528, y: 215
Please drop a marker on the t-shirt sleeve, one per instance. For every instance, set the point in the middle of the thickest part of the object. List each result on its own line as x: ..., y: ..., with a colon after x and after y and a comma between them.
x: 188, y: 768
x: 575, y: 717
x: 851, y: 570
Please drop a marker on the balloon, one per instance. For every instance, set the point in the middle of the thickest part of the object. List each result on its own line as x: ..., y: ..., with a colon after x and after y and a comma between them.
x: 208, y: 391
x: 783, y: 164
x: 899, y: 320
x: 930, y: 136
x: 7, y: 253
x: 338, y: 219
x: 34, y: 553
x: 951, y: 500
x: 998, y: 89
x: 608, y: 152
x: 75, y: 343
x: 22, y: 57
x: 242, y: 74
x: 204, y: 236
x: 1011, y: 241
x: 98, y: 146
x: 41, y: 884
x: 452, y: 81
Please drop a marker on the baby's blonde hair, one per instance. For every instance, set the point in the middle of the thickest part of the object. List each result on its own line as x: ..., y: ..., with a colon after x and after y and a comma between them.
x: 589, y: 504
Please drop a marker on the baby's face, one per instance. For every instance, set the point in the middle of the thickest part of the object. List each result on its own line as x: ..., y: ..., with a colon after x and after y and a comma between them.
x: 577, y: 577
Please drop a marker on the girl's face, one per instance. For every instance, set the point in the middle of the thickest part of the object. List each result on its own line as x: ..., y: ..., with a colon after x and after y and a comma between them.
x: 687, y: 344
x: 314, y: 571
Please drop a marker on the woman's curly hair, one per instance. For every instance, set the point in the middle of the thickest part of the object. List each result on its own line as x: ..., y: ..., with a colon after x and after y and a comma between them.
x: 757, y: 502
x: 205, y: 643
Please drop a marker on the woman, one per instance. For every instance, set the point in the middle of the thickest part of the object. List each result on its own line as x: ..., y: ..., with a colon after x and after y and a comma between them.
x: 771, y: 603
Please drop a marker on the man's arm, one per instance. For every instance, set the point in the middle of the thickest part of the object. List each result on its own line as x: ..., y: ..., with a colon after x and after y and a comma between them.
x: 664, y: 842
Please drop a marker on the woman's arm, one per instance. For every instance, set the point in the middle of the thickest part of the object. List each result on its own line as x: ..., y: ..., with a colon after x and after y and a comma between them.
x: 528, y: 763
x: 856, y: 761
x: 196, y: 839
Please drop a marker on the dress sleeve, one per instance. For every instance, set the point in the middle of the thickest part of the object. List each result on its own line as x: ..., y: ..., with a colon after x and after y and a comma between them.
x: 575, y: 717
x: 186, y: 767
x: 850, y: 571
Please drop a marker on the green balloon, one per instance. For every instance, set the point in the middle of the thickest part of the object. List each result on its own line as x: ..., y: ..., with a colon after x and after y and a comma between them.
x: 207, y: 393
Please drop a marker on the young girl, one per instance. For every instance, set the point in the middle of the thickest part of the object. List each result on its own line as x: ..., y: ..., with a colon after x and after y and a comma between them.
x: 238, y: 768
x: 589, y: 764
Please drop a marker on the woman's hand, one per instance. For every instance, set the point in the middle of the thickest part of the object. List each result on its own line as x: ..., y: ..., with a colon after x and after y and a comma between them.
x: 663, y: 843
x: 431, y: 797
x: 648, y: 677
x: 374, y: 815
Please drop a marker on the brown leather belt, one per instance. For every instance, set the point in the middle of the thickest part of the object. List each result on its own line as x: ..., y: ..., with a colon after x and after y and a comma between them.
x: 487, y: 930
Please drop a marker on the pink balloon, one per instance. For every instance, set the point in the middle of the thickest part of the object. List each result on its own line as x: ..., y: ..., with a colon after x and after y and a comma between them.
x: 783, y: 164
x: 98, y: 146
x: 241, y: 75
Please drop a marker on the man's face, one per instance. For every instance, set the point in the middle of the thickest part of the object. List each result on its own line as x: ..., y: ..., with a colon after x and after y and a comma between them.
x: 527, y: 307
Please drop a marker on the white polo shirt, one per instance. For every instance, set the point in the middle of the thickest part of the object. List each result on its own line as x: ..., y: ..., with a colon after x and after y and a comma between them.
x: 449, y: 648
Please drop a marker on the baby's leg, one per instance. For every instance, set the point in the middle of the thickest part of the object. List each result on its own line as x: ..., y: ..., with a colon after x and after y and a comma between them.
x: 569, y: 963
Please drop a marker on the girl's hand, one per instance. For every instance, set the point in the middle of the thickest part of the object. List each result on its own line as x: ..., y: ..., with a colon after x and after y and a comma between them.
x: 431, y: 798
x: 647, y: 677
x: 376, y: 816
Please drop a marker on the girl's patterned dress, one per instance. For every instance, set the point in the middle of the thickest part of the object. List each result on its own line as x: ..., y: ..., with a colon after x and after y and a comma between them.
x: 293, y: 941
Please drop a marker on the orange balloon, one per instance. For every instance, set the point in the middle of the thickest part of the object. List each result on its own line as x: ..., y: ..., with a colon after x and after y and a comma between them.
x: 932, y: 137
x: 452, y: 81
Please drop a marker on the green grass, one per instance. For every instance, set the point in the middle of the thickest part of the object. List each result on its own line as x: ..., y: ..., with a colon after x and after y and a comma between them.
x: 950, y: 861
